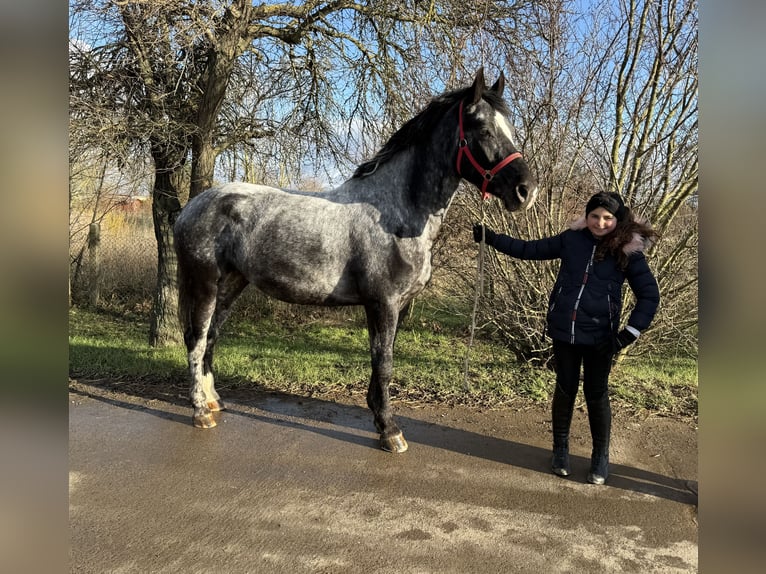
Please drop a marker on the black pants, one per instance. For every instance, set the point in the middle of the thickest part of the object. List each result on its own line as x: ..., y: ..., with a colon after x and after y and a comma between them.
x: 569, y: 360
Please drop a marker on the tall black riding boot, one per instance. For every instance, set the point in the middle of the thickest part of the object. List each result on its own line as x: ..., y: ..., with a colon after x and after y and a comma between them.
x: 561, y: 414
x: 600, y: 419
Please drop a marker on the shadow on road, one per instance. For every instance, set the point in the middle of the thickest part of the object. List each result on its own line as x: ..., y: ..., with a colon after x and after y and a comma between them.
x: 314, y: 415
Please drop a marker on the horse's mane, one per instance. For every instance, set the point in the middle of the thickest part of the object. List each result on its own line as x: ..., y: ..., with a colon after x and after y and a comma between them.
x: 419, y: 128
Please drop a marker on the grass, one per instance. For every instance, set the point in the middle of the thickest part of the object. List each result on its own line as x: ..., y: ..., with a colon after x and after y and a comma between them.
x: 666, y: 385
x: 326, y: 354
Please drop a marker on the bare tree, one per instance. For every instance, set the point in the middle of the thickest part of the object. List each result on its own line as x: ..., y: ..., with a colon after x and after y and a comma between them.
x: 320, y: 65
x: 103, y: 169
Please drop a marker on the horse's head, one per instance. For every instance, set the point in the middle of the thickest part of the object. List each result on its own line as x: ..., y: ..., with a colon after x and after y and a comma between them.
x: 487, y: 156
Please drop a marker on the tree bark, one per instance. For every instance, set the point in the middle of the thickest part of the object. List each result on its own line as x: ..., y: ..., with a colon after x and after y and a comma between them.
x: 203, y: 164
x: 94, y: 264
x: 232, y: 37
x: 165, y: 328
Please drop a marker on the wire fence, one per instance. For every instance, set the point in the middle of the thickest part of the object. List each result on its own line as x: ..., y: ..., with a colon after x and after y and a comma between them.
x: 113, y: 260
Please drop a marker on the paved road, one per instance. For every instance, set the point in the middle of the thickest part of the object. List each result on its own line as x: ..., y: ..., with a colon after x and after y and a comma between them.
x: 298, y: 485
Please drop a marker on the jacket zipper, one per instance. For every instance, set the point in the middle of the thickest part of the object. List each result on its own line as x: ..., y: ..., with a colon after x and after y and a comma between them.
x: 579, y: 295
x: 609, y: 303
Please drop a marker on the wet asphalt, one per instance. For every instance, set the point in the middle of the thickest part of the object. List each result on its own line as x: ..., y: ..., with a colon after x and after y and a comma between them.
x: 290, y: 484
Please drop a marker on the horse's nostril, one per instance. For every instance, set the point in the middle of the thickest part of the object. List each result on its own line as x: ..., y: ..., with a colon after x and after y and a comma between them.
x: 522, y: 191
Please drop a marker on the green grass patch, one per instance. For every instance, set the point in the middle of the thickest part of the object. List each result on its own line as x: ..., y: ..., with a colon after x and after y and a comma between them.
x: 665, y: 385
x: 108, y: 345
x: 324, y: 354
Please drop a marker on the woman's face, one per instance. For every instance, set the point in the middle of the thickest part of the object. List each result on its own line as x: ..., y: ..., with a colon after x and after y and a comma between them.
x: 601, y: 222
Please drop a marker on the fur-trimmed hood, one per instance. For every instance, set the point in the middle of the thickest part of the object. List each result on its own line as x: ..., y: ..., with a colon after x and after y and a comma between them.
x: 638, y: 244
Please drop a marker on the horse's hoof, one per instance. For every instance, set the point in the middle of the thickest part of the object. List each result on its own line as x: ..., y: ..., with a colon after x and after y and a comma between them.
x: 395, y: 443
x: 216, y: 406
x: 205, y: 421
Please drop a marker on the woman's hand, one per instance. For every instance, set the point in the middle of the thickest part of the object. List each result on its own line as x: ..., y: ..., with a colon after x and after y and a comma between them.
x: 479, y: 230
x: 614, y: 343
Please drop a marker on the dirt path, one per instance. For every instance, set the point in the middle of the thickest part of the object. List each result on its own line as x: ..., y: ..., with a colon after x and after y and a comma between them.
x: 288, y: 484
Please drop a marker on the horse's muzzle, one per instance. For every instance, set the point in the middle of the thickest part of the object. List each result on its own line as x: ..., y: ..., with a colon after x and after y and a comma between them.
x: 521, y: 197
x: 526, y: 195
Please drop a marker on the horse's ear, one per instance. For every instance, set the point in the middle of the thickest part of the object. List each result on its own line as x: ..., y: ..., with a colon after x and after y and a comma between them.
x: 479, y: 87
x: 499, y: 86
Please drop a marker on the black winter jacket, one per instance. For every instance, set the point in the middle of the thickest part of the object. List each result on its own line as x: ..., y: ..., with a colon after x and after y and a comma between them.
x: 586, y: 302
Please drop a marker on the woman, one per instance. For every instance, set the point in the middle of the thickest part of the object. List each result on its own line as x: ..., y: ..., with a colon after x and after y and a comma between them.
x: 598, y: 253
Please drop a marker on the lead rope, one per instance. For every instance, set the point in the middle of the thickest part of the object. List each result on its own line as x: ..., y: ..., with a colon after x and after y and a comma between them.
x: 480, y: 266
x: 479, y: 289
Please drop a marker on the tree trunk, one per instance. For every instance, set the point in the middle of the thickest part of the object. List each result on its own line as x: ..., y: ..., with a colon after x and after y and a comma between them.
x: 165, y: 328
x: 232, y: 38
x: 203, y: 163
x: 94, y: 263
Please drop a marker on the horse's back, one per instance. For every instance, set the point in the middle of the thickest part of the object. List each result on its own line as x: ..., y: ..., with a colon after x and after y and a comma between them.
x: 221, y: 201
x: 296, y: 246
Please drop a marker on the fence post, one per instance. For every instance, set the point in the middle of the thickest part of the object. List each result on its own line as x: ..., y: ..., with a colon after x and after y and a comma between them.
x: 94, y: 263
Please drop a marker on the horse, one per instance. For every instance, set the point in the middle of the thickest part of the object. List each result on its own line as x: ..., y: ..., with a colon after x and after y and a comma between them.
x: 367, y: 242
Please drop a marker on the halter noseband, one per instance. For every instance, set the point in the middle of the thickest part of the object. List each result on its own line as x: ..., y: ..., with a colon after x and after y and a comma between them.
x: 487, y: 174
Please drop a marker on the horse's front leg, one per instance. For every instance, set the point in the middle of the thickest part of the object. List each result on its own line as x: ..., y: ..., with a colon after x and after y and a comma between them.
x: 382, y: 324
x: 229, y: 288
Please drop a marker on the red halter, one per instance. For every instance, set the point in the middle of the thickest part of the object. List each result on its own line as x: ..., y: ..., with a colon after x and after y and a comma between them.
x: 488, y: 174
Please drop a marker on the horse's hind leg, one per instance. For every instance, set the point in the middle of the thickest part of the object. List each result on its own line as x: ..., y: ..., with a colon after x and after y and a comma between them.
x: 382, y: 323
x: 229, y: 288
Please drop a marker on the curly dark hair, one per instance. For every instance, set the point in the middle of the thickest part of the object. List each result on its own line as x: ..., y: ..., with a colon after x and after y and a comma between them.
x: 615, y: 242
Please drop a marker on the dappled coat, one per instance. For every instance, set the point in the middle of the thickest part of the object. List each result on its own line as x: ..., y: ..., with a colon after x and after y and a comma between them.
x: 586, y: 302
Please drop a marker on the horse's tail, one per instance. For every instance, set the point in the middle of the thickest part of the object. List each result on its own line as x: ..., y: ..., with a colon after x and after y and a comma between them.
x: 184, y: 299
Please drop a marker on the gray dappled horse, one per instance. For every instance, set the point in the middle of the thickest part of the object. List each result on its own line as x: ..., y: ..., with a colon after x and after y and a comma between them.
x: 367, y: 243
